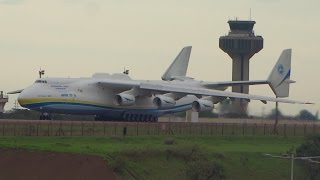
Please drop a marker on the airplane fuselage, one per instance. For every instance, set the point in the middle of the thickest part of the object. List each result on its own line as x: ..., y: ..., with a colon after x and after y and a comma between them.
x: 82, y: 96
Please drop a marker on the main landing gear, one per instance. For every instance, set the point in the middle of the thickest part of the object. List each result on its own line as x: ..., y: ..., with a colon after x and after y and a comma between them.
x: 140, y: 118
x: 45, y: 116
x: 130, y: 118
x: 98, y: 118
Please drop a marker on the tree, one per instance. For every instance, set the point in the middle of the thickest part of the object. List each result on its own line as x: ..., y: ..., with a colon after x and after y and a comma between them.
x: 273, y: 114
x: 311, y: 148
x: 226, y: 110
x: 306, y: 115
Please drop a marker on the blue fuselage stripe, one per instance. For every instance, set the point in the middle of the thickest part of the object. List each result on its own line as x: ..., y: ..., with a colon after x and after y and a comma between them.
x: 72, y: 107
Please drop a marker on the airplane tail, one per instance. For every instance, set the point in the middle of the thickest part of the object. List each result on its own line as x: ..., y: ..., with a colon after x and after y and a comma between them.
x: 279, y: 78
x: 179, y: 66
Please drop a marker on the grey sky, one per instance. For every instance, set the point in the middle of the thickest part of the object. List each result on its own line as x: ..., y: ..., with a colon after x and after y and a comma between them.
x: 79, y: 37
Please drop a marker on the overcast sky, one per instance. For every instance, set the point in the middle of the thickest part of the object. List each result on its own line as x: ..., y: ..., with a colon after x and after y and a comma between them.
x: 76, y: 38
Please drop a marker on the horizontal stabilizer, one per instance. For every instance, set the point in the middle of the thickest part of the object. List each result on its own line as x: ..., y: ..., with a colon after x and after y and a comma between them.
x: 15, y: 92
x: 213, y: 85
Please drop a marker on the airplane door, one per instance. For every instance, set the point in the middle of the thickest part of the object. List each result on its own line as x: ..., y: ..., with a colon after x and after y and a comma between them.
x: 72, y: 96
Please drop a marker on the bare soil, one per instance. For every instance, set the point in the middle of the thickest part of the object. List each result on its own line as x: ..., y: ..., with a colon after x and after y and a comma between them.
x: 18, y: 164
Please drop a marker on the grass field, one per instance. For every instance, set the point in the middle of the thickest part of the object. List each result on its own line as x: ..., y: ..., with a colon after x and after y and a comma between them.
x: 147, y: 156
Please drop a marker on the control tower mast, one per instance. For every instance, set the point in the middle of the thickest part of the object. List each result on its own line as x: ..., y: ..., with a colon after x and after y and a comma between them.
x: 240, y: 44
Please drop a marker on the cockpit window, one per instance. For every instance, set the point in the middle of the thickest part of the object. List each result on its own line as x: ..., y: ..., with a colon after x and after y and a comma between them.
x: 41, y: 81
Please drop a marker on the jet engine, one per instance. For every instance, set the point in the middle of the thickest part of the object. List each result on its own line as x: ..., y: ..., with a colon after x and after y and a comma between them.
x: 162, y: 101
x: 202, y: 105
x: 124, y: 99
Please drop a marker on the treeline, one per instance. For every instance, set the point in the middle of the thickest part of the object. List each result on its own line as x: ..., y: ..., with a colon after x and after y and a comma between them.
x: 225, y: 109
x: 302, y: 115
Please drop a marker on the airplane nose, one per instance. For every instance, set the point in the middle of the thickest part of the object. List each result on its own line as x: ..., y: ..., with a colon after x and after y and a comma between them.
x: 21, y: 98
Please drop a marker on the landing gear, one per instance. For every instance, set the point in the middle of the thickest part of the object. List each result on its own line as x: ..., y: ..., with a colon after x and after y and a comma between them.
x: 140, y: 118
x: 98, y: 118
x: 153, y: 119
x: 45, y: 116
x: 128, y: 117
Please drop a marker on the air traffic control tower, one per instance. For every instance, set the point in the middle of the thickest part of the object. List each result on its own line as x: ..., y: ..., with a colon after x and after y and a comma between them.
x: 240, y: 44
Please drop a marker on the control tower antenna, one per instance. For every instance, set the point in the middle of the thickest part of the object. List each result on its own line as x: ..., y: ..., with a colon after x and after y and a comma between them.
x: 240, y: 44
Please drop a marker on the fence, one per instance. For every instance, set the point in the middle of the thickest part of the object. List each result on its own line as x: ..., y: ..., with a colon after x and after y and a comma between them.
x: 78, y: 128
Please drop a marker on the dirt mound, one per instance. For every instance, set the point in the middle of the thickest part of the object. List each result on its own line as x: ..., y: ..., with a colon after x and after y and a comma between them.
x: 34, y: 165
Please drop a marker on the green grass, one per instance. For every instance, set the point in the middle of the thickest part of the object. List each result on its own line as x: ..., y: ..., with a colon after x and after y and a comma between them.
x: 241, y: 156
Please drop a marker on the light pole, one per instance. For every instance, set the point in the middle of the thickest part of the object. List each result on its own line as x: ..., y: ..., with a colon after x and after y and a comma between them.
x: 292, y: 157
x: 275, y: 127
x: 292, y: 160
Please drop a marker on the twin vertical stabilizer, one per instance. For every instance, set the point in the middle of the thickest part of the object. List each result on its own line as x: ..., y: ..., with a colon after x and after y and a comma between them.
x: 179, y: 66
x: 279, y: 78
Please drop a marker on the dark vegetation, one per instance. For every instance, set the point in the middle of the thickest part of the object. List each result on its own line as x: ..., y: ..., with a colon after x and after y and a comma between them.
x: 311, y: 148
x: 195, y: 163
x: 225, y: 110
x: 302, y: 115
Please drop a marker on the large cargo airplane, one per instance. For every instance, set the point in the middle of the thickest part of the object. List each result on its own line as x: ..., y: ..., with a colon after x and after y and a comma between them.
x: 118, y: 97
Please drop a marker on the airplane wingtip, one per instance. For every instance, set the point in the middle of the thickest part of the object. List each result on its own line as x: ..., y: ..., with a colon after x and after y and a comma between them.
x: 309, y: 103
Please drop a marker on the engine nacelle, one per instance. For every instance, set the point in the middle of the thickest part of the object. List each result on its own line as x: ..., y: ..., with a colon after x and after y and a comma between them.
x: 161, y: 101
x: 202, y: 105
x: 124, y: 99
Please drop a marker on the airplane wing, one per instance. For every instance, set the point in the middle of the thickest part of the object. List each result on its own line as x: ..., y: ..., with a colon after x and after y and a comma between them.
x: 209, y: 92
x: 118, y: 84
x: 233, y: 83
x: 164, y: 87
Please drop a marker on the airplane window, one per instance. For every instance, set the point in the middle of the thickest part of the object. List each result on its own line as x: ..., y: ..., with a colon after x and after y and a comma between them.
x: 40, y: 81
